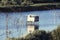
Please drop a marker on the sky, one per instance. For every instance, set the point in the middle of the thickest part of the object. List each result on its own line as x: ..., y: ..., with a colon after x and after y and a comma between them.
x: 48, y: 21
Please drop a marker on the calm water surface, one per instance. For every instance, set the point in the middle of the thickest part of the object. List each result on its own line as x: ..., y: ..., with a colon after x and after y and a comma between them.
x: 48, y: 21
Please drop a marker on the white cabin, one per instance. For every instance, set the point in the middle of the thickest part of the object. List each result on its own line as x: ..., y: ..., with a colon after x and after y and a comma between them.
x: 31, y: 28
x: 32, y: 18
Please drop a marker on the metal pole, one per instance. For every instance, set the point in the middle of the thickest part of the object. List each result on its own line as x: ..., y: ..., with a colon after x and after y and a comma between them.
x: 7, y: 25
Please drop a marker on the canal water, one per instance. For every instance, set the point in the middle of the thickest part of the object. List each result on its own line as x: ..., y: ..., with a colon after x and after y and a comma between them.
x: 48, y: 21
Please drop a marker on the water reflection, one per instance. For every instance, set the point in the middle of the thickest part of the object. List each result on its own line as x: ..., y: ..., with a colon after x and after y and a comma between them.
x: 17, y: 22
x: 31, y: 28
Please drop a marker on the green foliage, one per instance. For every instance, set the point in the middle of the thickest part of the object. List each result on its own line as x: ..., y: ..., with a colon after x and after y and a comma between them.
x: 42, y: 35
x: 38, y: 35
x: 56, y: 34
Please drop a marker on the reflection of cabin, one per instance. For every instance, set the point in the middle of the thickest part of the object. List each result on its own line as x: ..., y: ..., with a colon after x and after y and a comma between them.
x: 31, y: 20
x: 31, y: 28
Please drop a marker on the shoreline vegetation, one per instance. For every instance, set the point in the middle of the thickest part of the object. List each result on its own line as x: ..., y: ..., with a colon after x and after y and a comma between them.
x: 28, y: 5
x: 29, y: 8
x: 41, y: 35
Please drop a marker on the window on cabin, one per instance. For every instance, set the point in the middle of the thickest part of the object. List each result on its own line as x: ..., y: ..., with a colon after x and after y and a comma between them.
x: 36, y: 18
